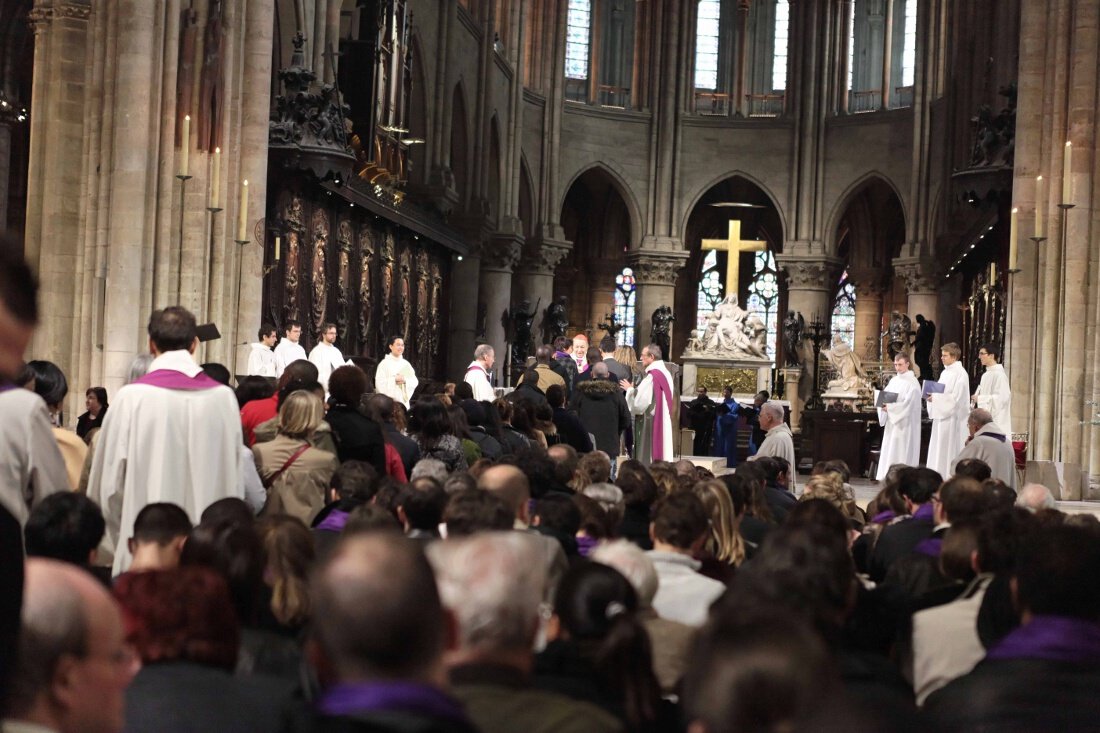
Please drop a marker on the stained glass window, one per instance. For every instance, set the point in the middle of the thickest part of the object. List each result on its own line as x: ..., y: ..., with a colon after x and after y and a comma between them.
x: 763, y: 299
x: 782, y: 39
x: 909, y: 44
x: 710, y: 292
x: 706, y: 45
x: 844, y: 312
x: 577, y: 25
x: 625, y: 297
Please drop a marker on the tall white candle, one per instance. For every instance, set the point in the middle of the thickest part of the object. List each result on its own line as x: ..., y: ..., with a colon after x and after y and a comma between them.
x: 1040, y: 206
x: 1067, y: 175
x: 1012, y: 240
x: 276, y: 247
x: 185, y: 144
x: 215, y: 178
x: 242, y: 215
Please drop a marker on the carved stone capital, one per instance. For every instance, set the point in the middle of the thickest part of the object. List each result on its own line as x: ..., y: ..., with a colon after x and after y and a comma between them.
x: 656, y: 268
x: 868, y: 283
x: 500, y: 253
x: 814, y: 272
x: 921, y: 275
x: 542, y: 255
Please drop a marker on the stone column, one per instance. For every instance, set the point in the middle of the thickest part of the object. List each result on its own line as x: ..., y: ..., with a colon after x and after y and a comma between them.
x: 655, y: 274
x: 601, y: 297
x: 499, y: 257
x: 810, y: 284
x: 870, y: 289
x: 536, y: 276
x: 463, y: 316
x: 921, y: 285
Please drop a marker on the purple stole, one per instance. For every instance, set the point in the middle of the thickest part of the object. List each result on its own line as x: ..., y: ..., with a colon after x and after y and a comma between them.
x: 662, y: 398
x: 1054, y: 638
x: 353, y: 698
x: 171, y: 379
x: 335, y: 521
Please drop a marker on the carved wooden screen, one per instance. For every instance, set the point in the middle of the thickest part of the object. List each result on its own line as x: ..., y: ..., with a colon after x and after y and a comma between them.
x: 984, y: 316
x: 373, y: 279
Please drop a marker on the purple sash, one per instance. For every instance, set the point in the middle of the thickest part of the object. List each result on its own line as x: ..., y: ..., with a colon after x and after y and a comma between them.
x: 1055, y: 638
x: 662, y: 394
x: 930, y: 546
x: 171, y: 379
x: 411, y: 697
x: 926, y: 511
x: 335, y: 521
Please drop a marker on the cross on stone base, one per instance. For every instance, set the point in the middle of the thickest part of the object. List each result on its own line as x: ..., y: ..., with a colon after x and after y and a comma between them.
x: 733, y: 246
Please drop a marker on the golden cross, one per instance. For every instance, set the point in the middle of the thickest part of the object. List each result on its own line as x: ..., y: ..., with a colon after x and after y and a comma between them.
x: 733, y: 247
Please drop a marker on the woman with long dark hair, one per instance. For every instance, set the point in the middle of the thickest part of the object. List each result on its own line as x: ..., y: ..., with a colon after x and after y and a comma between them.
x: 431, y: 427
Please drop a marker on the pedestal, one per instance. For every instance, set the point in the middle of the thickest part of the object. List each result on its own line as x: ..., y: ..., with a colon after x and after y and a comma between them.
x: 791, y: 376
x: 746, y: 377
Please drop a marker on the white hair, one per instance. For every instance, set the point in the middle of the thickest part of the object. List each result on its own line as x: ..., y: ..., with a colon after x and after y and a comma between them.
x: 482, y: 350
x: 609, y: 496
x: 633, y: 563
x: 774, y: 409
x: 1034, y: 497
x: 432, y: 468
x: 139, y: 367
x: 493, y: 584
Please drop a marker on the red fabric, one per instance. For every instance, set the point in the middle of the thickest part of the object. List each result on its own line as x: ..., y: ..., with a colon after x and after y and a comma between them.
x: 1019, y: 447
x: 256, y: 412
x: 395, y: 469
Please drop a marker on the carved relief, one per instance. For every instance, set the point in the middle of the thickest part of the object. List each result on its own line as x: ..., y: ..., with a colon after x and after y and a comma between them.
x: 405, y: 305
x: 366, y: 259
x: 423, y: 275
x: 292, y: 217
x: 387, y: 279
x: 434, y: 324
x: 318, y: 275
x: 343, y: 287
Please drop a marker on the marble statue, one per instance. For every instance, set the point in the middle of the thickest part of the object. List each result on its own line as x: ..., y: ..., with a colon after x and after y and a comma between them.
x: 850, y: 376
x: 731, y: 332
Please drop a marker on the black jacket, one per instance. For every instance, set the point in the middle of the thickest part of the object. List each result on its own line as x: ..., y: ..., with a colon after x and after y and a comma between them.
x: 405, y: 446
x: 490, y: 446
x: 571, y: 430
x: 601, y: 407
x: 896, y: 541
x: 512, y: 440
x: 357, y: 437
x: 529, y: 393
x: 779, y: 501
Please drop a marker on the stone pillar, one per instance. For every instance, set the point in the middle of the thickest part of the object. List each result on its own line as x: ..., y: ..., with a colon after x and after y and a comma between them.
x: 601, y: 297
x: 463, y: 316
x: 499, y: 257
x: 921, y: 285
x: 810, y: 284
x: 870, y: 289
x: 655, y: 274
x: 536, y: 275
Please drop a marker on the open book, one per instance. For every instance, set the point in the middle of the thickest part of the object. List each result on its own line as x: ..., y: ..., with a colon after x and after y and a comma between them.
x: 931, y: 388
x: 885, y: 398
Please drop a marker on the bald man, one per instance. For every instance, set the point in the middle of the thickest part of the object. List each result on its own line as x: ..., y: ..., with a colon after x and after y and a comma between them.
x: 73, y: 664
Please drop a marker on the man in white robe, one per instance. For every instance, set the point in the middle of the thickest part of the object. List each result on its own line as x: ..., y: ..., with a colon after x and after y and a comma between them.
x: 993, y: 393
x: 949, y: 411
x: 778, y: 441
x: 395, y: 377
x: 652, y: 400
x: 477, y: 374
x: 172, y: 435
x: 992, y: 444
x: 261, y: 359
x: 289, y: 350
x: 325, y: 356
x: 901, y: 439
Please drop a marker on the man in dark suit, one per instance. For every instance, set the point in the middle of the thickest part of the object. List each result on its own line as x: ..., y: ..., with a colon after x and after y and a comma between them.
x: 619, y: 371
x: 778, y: 497
x: 916, y: 486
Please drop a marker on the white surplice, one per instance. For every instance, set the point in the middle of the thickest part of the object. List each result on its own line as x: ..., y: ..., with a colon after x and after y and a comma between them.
x: 261, y: 361
x: 327, y: 358
x: 995, y: 395
x: 385, y: 379
x: 949, y: 412
x: 641, y: 402
x: 901, y: 439
x: 478, y: 379
x: 164, y: 445
x: 287, y: 351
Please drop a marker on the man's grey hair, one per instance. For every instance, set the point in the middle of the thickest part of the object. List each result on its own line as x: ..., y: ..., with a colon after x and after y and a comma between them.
x: 139, y: 367
x: 493, y: 584
x: 979, y: 417
x: 482, y: 350
x: 432, y: 468
x: 600, y: 370
x: 633, y: 563
x: 1034, y: 497
x: 654, y: 351
x: 54, y: 624
x: 609, y: 496
x: 774, y: 409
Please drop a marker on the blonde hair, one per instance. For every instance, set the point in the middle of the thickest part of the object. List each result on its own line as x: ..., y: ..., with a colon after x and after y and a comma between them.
x: 300, y: 414
x: 626, y: 355
x: 830, y: 487
x: 288, y: 545
x: 592, y: 468
x: 723, y: 541
x: 953, y: 350
x: 666, y: 478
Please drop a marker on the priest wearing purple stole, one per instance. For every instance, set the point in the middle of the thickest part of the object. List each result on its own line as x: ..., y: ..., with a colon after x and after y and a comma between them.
x: 652, y: 400
x: 172, y: 435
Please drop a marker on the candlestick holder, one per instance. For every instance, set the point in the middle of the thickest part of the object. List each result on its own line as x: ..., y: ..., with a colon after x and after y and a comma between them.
x: 183, y: 179
x: 1066, y: 206
x: 214, y: 209
x: 818, y: 333
x: 1038, y: 241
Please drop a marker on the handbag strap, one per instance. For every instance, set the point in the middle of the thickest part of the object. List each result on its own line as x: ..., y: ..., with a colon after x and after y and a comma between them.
x: 270, y: 480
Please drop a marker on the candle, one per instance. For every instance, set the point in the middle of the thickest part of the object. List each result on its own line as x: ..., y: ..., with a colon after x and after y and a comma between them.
x: 185, y: 143
x: 276, y: 247
x: 215, y: 176
x: 1040, y: 205
x: 242, y: 214
x: 1067, y: 175
x: 1012, y: 240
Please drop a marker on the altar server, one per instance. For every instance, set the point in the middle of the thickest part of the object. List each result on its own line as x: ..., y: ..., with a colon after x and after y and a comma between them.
x: 901, y: 439
x: 993, y: 393
x: 948, y: 411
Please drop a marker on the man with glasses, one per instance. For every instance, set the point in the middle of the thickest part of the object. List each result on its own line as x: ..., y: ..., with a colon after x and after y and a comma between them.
x: 993, y: 393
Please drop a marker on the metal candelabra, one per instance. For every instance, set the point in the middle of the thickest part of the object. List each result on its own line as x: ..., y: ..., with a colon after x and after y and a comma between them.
x: 818, y: 333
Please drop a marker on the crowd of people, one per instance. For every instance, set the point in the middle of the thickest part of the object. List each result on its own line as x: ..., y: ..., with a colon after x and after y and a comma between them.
x: 317, y: 557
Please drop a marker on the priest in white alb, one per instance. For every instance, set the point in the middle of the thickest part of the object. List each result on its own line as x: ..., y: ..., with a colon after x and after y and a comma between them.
x: 261, y: 359
x: 901, y: 438
x: 172, y: 435
x: 652, y: 401
x: 477, y: 374
x: 395, y: 377
x: 993, y: 393
x: 778, y: 439
x: 325, y: 356
x: 948, y: 411
x: 289, y: 350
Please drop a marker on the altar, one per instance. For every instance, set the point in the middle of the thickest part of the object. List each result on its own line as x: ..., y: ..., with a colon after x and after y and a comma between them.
x: 745, y: 376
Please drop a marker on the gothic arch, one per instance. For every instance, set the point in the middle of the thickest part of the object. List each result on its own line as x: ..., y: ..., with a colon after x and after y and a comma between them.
x: 621, y: 186
x: 845, y: 200
x: 706, y: 187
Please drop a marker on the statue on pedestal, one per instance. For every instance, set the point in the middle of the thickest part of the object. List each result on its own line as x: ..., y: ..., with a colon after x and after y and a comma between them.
x: 733, y: 333
x: 662, y: 324
x: 519, y: 320
x: 922, y: 346
x: 849, y: 368
x: 898, y: 334
x: 555, y: 320
x: 793, y: 326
